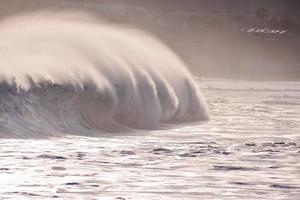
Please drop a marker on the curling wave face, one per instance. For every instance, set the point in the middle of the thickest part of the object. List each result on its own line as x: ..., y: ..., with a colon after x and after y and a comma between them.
x: 61, y: 74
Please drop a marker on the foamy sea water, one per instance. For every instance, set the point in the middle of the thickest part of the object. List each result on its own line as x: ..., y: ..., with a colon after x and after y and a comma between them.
x: 250, y: 149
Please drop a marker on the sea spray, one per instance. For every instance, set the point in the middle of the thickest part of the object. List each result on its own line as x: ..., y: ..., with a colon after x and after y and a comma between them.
x: 69, y: 73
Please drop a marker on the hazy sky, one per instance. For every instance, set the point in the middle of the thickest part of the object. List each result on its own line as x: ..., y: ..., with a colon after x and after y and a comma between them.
x: 243, y: 6
x: 240, y: 7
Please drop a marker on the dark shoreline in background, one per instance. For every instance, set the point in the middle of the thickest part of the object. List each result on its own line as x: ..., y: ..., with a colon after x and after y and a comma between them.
x: 216, y: 79
x: 252, y: 40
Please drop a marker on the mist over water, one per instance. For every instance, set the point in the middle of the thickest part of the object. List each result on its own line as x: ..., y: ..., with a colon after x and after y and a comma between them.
x: 65, y: 74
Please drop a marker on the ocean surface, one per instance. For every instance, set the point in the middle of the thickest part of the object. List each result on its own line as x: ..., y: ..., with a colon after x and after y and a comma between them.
x: 250, y: 149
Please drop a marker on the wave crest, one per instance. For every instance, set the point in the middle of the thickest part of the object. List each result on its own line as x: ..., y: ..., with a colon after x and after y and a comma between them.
x: 61, y: 74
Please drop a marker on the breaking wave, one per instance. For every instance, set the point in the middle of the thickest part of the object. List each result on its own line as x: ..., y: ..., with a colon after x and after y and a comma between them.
x: 61, y: 74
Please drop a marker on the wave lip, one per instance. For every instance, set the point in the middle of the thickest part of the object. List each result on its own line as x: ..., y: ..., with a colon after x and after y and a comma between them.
x: 61, y: 74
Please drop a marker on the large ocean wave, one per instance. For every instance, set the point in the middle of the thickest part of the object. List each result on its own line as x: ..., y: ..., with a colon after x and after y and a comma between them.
x: 62, y: 74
